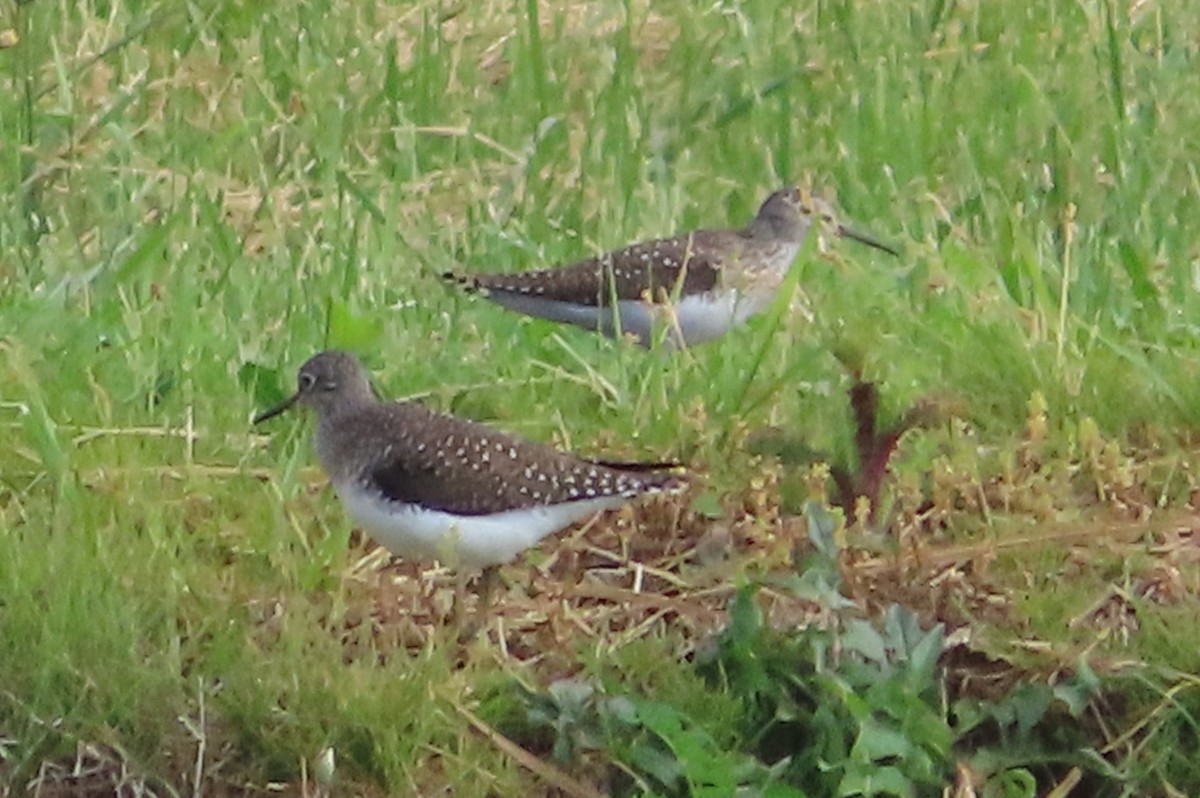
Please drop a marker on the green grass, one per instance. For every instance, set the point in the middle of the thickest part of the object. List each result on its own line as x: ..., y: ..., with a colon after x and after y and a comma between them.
x: 197, y: 197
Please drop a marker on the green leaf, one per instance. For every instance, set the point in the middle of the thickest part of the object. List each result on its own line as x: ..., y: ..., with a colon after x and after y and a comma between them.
x: 778, y: 790
x: 877, y: 741
x: 820, y: 582
x: 876, y: 781
x: 822, y: 529
x: 1029, y: 703
x: 708, y: 505
x: 1079, y: 691
x: 1012, y: 783
x: 650, y: 756
x: 923, y: 659
x: 745, y: 618
x: 861, y: 637
x: 708, y: 771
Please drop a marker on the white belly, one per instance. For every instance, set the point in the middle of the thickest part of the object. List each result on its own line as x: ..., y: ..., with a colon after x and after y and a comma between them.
x: 693, y: 320
x: 473, y: 541
x: 704, y: 317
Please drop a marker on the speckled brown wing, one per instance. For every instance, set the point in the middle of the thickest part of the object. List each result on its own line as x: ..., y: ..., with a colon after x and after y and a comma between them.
x: 461, y: 467
x: 651, y: 269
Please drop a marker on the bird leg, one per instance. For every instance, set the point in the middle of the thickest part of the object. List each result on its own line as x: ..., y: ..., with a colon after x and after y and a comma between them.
x: 487, y: 586
x: 467, y: 629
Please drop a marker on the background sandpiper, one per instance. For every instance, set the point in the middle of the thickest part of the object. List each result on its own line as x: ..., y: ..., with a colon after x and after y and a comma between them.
x: 696, y: 285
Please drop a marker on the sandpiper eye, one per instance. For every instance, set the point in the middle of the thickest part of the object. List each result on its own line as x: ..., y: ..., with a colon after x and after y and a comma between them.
x: 307, y: 381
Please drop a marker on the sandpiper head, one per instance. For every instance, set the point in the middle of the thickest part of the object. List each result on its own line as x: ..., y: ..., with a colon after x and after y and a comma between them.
x: 789, y: 212
x: 786, y: 214
x: 330, y: 379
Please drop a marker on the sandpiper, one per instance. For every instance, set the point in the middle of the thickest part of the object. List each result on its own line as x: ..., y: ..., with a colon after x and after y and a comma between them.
x: 698, y: 285
x: 432, y: 486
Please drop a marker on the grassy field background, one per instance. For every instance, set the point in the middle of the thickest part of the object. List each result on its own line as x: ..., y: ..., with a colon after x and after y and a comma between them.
x: 197, y: 197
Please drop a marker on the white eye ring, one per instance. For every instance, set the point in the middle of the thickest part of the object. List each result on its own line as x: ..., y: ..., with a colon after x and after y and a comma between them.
x: 307, y: 381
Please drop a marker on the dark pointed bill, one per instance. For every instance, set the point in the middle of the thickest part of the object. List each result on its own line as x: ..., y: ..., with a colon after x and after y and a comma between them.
x: 863, y: 238
x: 277, y: 409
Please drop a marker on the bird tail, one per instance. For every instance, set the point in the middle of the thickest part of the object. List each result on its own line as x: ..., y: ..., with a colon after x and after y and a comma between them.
x: 468, y: 282
x: 663, y: 476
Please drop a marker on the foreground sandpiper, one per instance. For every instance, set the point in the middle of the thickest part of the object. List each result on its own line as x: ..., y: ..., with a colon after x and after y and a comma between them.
x: 698, y: 285
x: 433, y: 486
